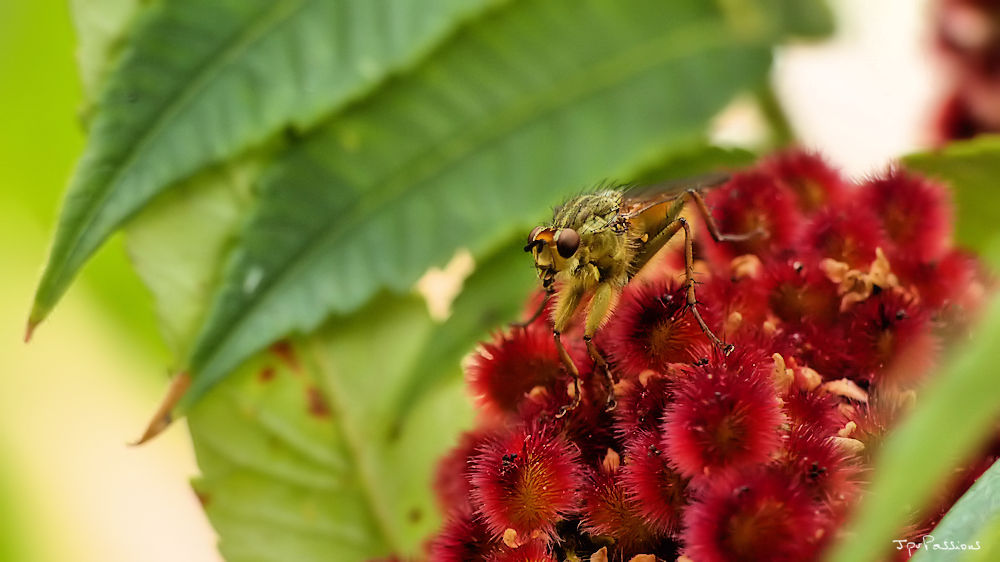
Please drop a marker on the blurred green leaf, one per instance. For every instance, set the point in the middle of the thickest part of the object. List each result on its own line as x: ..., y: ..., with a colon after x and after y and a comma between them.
x: 803, y: 19
x: 100, y: 26
x: 973, y: 517
x: 955, y: 413
x: 972, y: 168
x: 202, y: 81
x: 695, y: 160
x: 533, y: 103
x: 178, y: 244
x: 37, y: 150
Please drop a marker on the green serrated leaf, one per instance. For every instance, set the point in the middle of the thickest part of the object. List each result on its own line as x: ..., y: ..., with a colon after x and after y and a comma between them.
x: 972, y: 168
x: 542, y: 99
x: 201, y: 81
x: 301, y: 449
x: 974, y: 515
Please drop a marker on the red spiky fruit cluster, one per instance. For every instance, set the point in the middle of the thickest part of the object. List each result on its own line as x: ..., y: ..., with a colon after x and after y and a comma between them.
x: 837, y: 311
x: 968, y: 36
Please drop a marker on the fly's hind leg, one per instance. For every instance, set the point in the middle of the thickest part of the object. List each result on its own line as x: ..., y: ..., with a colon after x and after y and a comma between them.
x: 692, y: 301
x: 713, y: 228
x: 605, y: 297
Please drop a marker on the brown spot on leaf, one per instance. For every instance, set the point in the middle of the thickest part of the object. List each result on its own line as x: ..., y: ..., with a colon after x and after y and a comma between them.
x: 415, y: 515
x: 266, y: 374
x: 316, y: 402
x: 284, y: 351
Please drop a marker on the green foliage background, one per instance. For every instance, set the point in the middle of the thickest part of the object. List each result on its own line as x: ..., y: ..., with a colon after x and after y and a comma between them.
x: 286, y: 170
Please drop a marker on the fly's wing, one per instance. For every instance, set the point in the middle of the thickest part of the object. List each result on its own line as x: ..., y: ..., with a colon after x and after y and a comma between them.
x: 638, y: 199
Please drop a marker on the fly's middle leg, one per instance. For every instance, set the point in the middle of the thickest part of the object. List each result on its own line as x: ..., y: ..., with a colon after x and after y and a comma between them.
x: 692, y: 300
x: 541, y: 308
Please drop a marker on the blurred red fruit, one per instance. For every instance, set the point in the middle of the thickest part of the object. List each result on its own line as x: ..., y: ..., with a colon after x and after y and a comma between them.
x: 846, y: 233
x: 756, y: 515
x: 752, y: 202
x: 806, y: 174
x: 915, y: 213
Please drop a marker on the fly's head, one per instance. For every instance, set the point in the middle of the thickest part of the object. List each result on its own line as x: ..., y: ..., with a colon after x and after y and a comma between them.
x: 583, y: 230
x: 552, y: 249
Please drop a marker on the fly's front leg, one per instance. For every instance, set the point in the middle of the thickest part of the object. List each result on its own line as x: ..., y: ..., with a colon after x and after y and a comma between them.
x: 568, y: 362
x: 603, y: 302
x: 692, y: 300
x: 569, y: 301
x: 549, y: 291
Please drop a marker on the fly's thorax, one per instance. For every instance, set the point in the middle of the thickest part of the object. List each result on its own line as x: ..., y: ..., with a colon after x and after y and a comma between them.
x: 591, y: 212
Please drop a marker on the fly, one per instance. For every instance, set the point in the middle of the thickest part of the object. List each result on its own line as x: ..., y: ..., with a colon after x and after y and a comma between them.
x: 597, y: 242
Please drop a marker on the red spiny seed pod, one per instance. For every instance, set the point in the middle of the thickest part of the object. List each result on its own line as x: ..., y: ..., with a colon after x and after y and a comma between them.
x: 814, y: 411
x: 915, y: 212
x: 653, y: 328
x: 725, y: 415
x: 831, y: 475
x: 738, y: 300
x: 462, y: 538
x: 939, y: 283
x: 846, y: 233
x: 806, y: 174
x: 533, y: 551
x: 506, y: 370
x: 660, y: 492
x: 799, y: 292
x: 525, y: 480
x: 641, y: 403
x: 889, y: 339
x: 609, y: 512
x: 589, y: 426
x: 873, y: 420
x: 752, y: 202
x: 968, y: 36
x: 753, y: 515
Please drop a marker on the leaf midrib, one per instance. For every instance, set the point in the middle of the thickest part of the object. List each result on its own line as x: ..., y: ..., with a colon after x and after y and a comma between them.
x: 355, y: 444
x: 691, y: 38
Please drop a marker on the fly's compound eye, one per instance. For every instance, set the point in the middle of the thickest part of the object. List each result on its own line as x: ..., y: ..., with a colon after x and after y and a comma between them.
x: 567, y: 241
